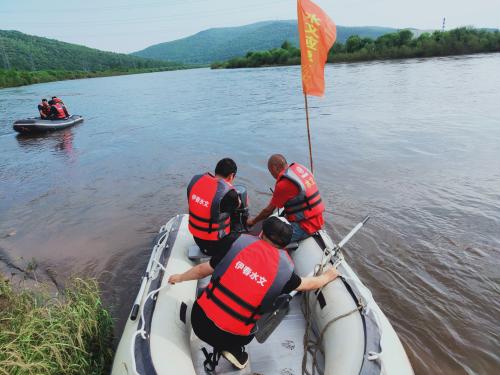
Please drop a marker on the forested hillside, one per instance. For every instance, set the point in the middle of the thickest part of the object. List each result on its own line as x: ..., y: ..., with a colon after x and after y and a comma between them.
x: 219, y: 44
x: 27, y: 59
x: 26, y: 52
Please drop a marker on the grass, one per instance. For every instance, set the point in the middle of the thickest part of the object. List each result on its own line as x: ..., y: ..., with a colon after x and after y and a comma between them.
x: 41, y: 334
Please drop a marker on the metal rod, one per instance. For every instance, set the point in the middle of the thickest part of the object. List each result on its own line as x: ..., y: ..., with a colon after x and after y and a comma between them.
x: 309, y: 135
x: 337, y: 248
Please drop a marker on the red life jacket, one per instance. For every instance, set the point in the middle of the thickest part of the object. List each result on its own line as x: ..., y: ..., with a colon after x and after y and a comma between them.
x: 60, y: 111
x: 307, y: 203
x: 45, y: 109
x: 245, y: 284
x: 206, y: 221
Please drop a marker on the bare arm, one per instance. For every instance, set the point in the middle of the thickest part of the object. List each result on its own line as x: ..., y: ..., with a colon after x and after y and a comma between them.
x: 316, y: 282
x: 265, y: 213
x: 195, y: 273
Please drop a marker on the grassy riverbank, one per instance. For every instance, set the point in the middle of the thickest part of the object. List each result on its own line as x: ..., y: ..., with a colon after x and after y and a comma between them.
x: 397, y: 45
x: 43, y: 335
x: 14, y: 78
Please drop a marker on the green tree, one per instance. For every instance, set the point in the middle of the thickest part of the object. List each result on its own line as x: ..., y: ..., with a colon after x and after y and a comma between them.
x: 353, y: 44
x: 287, y: 45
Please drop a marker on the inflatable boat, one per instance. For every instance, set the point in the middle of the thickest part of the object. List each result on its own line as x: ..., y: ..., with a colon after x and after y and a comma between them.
x: 38, y: 125
x: 357, y: 338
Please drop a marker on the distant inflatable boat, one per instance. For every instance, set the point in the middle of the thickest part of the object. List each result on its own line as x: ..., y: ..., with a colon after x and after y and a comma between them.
x: 37, y: 125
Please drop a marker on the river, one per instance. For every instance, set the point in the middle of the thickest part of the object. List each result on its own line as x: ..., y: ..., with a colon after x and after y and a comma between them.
x: 413, y: 143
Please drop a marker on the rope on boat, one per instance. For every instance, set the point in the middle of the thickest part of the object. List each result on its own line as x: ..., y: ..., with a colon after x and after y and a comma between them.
x: 312, y: 343
x: 371, y: 355
x: 151, y: 275
x: 141, y: 331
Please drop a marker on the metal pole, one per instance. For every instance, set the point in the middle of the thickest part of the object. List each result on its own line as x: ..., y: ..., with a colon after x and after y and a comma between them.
x: 309, y: 135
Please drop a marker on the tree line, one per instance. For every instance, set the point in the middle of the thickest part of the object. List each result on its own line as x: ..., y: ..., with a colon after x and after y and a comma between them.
x: 397, y: 45
x: 14, y: 78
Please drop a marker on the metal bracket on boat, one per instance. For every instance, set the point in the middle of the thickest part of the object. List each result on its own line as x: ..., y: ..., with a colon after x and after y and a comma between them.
x: 372, y: 356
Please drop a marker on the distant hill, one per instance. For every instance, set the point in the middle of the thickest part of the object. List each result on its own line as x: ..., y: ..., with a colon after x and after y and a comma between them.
x: 32, y: 53
x: 224, y: 43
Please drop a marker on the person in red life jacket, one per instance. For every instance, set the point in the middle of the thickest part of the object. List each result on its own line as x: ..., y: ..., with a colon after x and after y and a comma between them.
x: 297, y: 192
x: 245, y: 282
x: 57, y: 100
x: 212, y: 199
x: 58, y: 110
x: 44, y: 109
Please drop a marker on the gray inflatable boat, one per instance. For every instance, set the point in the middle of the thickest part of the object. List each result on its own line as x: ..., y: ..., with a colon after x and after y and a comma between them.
x: 358, y: 339
x: 38, y: 125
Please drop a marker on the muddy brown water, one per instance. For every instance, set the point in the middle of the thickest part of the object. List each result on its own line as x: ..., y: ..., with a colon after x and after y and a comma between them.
x: 414, y: 143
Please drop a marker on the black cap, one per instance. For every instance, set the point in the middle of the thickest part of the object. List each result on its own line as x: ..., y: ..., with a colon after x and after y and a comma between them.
x: 279, y: 232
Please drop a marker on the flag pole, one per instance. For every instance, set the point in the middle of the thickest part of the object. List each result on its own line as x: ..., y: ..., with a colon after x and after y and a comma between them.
x: 309, y: 135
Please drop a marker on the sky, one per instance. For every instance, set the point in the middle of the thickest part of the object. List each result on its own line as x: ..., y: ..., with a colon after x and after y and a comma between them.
x: 128, y: 26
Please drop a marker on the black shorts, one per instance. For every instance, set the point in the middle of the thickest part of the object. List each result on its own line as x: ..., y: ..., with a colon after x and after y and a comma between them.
x: 208, y: 332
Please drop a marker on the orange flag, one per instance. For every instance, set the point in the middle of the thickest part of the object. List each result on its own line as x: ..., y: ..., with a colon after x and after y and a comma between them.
x: 317, y: 33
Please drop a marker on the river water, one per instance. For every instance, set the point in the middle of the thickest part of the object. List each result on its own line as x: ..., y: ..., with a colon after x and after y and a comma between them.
x: 414, y: 143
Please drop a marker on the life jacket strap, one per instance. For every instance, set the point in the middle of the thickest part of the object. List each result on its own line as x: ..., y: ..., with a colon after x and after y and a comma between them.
x: 210, y: 295
x: 210, y: 228
x: 301, y: 209
x: 306, y: 200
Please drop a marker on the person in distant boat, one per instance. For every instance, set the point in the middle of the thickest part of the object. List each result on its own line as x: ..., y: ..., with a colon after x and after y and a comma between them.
x: 57, y: 100
x: 245, y: 282
x: 297, y: 192
x: 44, y: 109
x: 58, y: 110
x: 212, y: 199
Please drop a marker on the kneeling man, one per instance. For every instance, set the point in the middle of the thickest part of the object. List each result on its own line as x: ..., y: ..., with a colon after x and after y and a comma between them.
x: 245, y: 282
x: 212, y: 200
x: 297, y: 192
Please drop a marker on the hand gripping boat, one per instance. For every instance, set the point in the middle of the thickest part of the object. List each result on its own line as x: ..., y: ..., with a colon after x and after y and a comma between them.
x: 357, y: 338
x: 38, y: 125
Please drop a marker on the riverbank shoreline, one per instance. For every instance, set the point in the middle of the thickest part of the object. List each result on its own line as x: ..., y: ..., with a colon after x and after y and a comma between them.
x: 17, y: 78
x: 348, y: 62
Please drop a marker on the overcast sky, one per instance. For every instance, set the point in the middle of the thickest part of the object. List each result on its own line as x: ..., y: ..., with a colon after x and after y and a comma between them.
x: 127, y: 26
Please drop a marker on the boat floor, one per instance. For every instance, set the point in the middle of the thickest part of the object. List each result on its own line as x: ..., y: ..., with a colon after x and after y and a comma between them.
x: 281, y: 354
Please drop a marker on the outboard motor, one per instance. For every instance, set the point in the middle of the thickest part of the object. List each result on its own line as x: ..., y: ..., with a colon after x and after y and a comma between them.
x: 240, y: 216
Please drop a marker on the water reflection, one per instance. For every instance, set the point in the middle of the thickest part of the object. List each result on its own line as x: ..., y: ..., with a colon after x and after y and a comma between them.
x: 61, y: 142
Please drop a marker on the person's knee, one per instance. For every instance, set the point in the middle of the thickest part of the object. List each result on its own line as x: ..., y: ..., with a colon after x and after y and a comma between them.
x: 298, y: 233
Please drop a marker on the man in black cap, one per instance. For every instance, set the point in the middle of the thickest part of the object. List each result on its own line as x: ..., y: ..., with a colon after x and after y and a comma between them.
x: 245, y: 282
